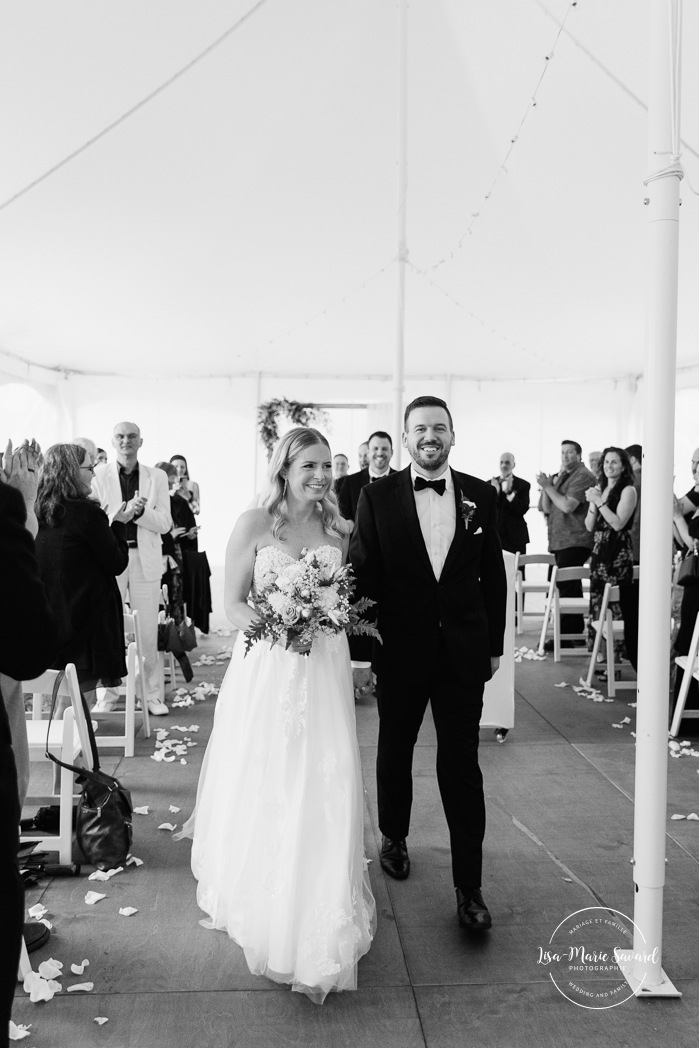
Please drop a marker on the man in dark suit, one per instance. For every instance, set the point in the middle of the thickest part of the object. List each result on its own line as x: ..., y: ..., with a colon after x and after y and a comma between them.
x: 349, y: 488
x: 425, y: 547
x: 512, y: 505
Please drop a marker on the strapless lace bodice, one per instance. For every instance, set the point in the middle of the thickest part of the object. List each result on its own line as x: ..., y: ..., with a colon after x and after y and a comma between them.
x: 270, y: 561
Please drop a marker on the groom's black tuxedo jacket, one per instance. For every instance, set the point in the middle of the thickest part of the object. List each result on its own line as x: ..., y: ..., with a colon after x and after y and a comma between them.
x: 416, y: 613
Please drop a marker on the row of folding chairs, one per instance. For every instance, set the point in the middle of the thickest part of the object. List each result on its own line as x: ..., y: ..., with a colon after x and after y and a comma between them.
x: 606, y: 627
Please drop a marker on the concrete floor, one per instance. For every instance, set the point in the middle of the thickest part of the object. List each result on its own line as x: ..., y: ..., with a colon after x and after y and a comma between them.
x: 559, y: 839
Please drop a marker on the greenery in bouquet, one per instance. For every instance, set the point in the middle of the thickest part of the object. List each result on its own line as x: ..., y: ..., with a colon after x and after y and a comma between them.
x: 310, y: 597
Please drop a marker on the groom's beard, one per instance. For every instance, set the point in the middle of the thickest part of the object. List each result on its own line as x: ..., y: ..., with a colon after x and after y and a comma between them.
x: 435, y: 462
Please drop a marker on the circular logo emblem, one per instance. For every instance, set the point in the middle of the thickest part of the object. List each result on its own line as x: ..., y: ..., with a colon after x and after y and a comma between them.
x: 581, y: 961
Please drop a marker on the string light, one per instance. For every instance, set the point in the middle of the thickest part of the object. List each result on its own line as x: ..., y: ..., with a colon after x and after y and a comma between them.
x: 502, y: 170
x: 556, y: 364
x: 607, y: 72
x: 134, y: 109
x: 327, y: 309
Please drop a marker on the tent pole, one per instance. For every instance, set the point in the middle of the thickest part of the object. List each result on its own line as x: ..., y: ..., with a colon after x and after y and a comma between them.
x: 402, y: 257
x: 646, y: 975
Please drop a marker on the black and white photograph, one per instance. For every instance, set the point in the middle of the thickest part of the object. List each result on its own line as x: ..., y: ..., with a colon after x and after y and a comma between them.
x: 349, y: 522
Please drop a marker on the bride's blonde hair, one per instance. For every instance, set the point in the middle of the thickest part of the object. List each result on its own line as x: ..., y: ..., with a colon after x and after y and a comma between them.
x: 291, y: 445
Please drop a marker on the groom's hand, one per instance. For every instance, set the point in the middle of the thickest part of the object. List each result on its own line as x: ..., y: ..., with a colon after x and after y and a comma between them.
x: 494, y: 664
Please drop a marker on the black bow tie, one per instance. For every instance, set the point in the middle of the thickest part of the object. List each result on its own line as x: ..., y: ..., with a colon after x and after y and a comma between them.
x: 436, y: 485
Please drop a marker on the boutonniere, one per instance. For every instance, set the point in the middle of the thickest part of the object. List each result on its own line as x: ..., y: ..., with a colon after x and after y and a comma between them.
x: 468, y: 508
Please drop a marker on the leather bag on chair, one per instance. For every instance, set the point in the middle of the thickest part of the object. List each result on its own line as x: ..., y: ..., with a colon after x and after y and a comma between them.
x: 104, y: 816
x: 169, y: 638
x: 187, y: 635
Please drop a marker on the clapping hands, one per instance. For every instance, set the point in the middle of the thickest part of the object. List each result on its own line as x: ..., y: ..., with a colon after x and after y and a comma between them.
x: 133, y: 508
x: 20, y: 468
x: 594, y: 495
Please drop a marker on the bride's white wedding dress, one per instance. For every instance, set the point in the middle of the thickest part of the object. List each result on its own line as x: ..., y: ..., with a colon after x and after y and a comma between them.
x: 278, y: 826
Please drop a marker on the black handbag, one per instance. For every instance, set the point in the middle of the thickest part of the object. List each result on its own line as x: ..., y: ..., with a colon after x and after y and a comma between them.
x: 187, y: 635
x: 688, y: 575
x: 104, y: 814
x: 169, y: 638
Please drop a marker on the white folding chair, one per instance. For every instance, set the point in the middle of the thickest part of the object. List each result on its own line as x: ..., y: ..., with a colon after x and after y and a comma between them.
x: 610, y: 630
x: 529, y: 585
x: 556, y: 606
x: 689, y: 664
x: 67, y: 739
x: 134, y: 673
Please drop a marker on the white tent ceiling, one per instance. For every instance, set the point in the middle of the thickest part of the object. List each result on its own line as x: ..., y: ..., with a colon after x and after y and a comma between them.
x: 244, y: 219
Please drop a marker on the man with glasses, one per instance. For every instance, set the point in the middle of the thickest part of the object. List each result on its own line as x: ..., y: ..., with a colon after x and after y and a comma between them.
x: 139, y: 496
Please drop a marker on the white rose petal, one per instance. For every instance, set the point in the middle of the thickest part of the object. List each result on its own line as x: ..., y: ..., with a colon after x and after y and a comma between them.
x: 127, y: 911
x: 17, y: 1032
x: 676, y: 818
x: 87, y: 987
x: 133, y: 861
x: 174, y: 809
x: 693, y: 817
x: 168, y: 826
x: 37, y: 910
x: 92, y: 897
x: 143, y: 810
x: 51, y: 969
x: 105, y: 875
x: 100, y: 1020
x: 79, y: 969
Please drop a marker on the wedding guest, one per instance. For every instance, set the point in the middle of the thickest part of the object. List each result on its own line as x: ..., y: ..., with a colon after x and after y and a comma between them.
x: 426, y: 548
x: 182, y: 536
x: 512, y: 505
x: 188, y: 489
x: 635, y: 453
x: 30, y: 637
x: 686, y: 529
x: 101, y: 456
x: 363, y: 454
x: 593, y: 461
x: 562, y: 502
x: 137, y: 495
x: 79, y: 555
x: 348, y: 488
x: 630, y: 594
x: 89, y: 446
x: 611, y: 505
x: 340, y: 466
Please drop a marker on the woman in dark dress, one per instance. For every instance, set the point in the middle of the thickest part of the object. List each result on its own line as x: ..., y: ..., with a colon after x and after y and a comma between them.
x: 686, y: 521
x: 612, y: 503
x: 79, y: 556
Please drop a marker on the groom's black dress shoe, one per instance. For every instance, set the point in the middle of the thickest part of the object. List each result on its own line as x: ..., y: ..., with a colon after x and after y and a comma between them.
x: 394, y: 858
x: 471, y: 910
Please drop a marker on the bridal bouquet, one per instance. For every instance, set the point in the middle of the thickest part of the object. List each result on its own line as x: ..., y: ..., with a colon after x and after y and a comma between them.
x: 309, y: 598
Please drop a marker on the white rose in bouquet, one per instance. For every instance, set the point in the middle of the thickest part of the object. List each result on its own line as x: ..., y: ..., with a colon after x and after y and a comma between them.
x: 327, y: 598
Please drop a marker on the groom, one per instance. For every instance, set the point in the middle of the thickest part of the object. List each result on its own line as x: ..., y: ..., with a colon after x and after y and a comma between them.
x: 425, y: 547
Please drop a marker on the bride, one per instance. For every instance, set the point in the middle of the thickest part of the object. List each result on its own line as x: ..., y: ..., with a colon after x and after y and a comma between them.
x: 277, y: 830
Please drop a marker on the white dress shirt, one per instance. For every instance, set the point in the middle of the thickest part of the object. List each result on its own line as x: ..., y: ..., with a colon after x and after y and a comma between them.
x: 437, y: 516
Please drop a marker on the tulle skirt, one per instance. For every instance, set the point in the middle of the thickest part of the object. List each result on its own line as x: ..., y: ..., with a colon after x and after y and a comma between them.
x: 277, y: 830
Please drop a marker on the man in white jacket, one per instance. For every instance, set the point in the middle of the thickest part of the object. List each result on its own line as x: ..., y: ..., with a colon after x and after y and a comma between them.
x: 138, y: 496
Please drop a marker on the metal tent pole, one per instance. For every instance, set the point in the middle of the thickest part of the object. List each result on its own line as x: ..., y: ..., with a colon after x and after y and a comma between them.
x: 643, y: 969
x: 402, y: 258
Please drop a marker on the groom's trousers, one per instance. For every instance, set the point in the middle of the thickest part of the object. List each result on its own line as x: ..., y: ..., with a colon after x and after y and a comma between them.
x: 456, y: 710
